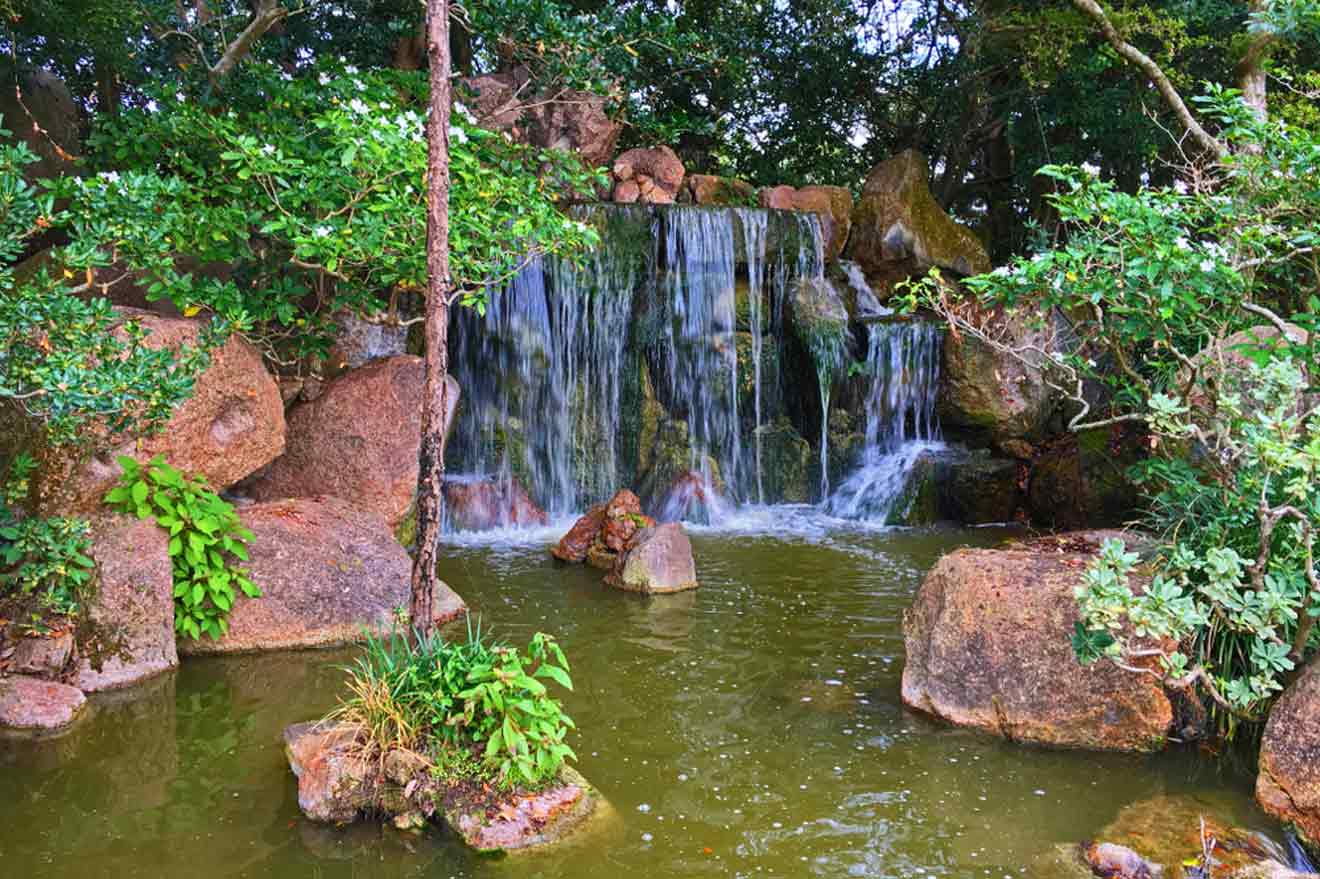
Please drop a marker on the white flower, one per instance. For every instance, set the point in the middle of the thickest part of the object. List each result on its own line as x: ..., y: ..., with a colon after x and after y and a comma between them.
x: 357, y: 106
x: 286, y: 76
x: 463, y: 111
x: 323, y: 79
x: 360, y: 85
x: 1207, y: 265
x: 1180, y: 187
x: 109, y: 176
x: 350, y: 70
x: 1093, y: 170
x: 268, y: 150
x: 458, y: 134
x: 1183, y: 243
x: 321, y: 231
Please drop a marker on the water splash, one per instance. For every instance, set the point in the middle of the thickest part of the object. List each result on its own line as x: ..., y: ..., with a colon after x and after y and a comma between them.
x: 903, y: 361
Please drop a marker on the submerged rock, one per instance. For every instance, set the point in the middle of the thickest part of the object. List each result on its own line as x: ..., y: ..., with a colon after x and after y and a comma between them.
x: 129, y: 635
x: 1167, y: 836
x: 1288, y: 784
x: 476, y: 504
x: 328, y: 572
x: 358, y: 439
x: 231, y: 425
x: 657, y: 559
x: 28, y: 703
x: 336, y: 783
x: 988, y: 647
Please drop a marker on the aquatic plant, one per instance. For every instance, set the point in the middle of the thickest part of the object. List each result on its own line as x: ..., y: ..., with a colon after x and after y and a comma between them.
x: 475, y: 705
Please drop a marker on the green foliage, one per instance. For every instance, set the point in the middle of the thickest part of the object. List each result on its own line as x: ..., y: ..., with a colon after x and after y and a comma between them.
x: 43, y: 561
x: 206, y: 538
x: 472, y: 703
x: 1159, y: 286
x: 66, y: 358
x: 312, y: 187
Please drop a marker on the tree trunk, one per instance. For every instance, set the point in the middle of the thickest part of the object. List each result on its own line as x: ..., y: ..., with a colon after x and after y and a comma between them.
x: 435, y: 403
x: 1251, y: 68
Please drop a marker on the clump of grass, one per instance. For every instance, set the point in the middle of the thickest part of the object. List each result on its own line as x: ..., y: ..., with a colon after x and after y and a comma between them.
x: 474, y: 707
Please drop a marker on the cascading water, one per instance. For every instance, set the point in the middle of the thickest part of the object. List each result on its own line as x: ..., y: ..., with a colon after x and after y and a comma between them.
x: 903, y: 360
x: 754, y: 229
x: 541, y: 375
x: 550, y: 375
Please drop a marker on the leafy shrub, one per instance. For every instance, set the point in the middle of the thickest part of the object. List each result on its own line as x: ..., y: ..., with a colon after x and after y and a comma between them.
x: 43, y: 561
x: 1237, y: 582
x: 66, y: 358
x: 205, y: 539
x: 475, y: 704
x: 1153, y: 285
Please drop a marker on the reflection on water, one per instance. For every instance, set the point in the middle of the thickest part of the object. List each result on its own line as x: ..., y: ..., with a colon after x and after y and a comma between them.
x: 750, y: 728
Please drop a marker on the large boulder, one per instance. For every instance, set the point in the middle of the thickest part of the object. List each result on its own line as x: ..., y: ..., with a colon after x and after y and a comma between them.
x: 359, y: 342
x: 1232, y: 355
x: 708, y: 189
x: 1288, y: 786
x: 649, y: 175
x: 988, y: 647
x: 328, y: 572
x: 358, y: 439
x: 656, y: 559
x: 50, y: 123
x: 992, y: 397
x: 232, y: 425
x: 898, y: 229
x: 479, y: 504
x: 574, y: 121
x: 832, y: 204
x: 1082, y: 479
x: 38, y: 705
x: 129, y: 635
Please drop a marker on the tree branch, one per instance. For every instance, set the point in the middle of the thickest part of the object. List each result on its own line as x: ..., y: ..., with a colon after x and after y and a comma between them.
x: 1147, y: 65
x: 268, y: 14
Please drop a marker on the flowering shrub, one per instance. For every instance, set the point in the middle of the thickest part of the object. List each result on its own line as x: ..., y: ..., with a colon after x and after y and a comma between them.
x: 313, y: 187
x: 1157, y: 288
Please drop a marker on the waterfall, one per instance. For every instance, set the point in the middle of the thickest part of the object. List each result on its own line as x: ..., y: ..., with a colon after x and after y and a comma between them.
x: 700, y: 287
x: 556, y: 375
x: 540, y: 374
x: 903, y: 362
x: 754, y: 229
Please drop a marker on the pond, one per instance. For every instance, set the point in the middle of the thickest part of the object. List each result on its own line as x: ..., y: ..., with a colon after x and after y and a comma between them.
x: 750, y: 728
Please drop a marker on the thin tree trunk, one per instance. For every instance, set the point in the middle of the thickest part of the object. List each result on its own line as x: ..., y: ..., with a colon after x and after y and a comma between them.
x: 435, y: 403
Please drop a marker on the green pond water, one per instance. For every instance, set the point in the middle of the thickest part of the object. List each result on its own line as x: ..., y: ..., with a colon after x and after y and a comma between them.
x: 751, y: 728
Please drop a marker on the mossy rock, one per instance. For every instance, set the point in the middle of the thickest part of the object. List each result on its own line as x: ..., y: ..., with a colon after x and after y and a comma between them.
x: 983, y: 489
x: 897, y: 220
x: 1081, y: 480
x: 787, y: 463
